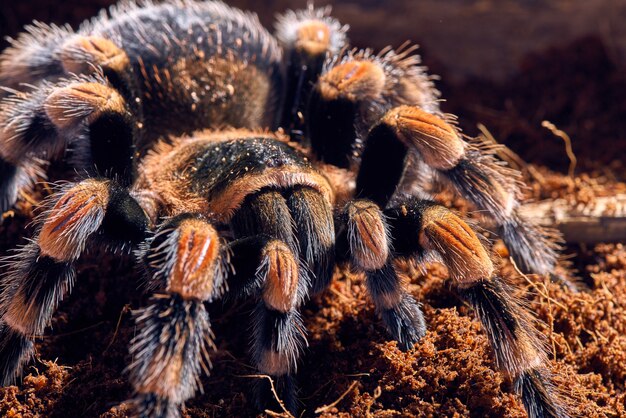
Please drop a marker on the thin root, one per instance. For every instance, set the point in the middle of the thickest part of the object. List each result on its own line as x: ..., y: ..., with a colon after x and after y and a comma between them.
x: 568, y: 145
x: 332, y: 405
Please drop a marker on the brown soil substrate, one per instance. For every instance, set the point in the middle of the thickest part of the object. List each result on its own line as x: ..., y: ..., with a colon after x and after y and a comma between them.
x: 350, y: 368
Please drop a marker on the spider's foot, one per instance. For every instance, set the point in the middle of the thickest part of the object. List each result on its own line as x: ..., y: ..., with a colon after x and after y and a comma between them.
x: 367, y: 235
x: 532, y: 247
x: 278, y: 329
x: 277, y: 344
x: 535, y: 391
x: 517, y: 346
x: 15, y: 350
x: 170, y: 350
x: 31, y: 290
x: 285, y: 388
x: 150, y: 405
x: 405, y: 322
x: 400, y: 313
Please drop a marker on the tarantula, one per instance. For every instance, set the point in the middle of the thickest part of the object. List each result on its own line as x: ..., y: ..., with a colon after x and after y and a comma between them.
x: 235, y: 161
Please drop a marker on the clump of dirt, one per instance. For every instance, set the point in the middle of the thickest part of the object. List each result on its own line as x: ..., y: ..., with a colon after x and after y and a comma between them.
x: 350, y: 368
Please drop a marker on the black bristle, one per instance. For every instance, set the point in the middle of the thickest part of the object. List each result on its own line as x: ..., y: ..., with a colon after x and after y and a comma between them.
x: 405, y: 321
x: 112, y: 151
x: 481, y: 179
x: 152, y: 406
x: 277, y: 331
x: 124, y: 219
x: 536, y: 393
x: 531, y: 248
x: 383, y: 153
x: 171, y: 330
x: 8, y: 188
x: 38, y: 282
x: 331, y: 129
x: 500, y: 320
x: 313, y: 220
x: 15, y: 350
x: 35, y: 284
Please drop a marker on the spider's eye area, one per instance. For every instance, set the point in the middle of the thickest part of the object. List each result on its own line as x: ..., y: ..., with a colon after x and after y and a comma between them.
x: 313, y: 38
x: 353, y: 80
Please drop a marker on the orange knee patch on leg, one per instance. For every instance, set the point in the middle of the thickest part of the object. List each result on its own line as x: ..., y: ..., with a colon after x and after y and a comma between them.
x: 195, y: 271
x: 368, y: 235
x: 281, y: 285
x: 313, y: 37
x: 69, y: 106
x: 461, y: 249
x: 353, y: 80
x: 80, y: 53
x: 79, y: 211
x: 437, y: 141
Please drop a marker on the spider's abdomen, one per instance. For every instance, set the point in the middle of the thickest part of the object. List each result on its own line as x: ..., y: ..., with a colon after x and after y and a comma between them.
x: 196, y: 65
x: 213, y: 173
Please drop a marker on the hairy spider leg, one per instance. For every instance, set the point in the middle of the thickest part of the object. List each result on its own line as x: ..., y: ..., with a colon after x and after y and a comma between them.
x: 186, y: 266
x: 476, y: 174
x: 42, y: 273
x: 278, y: 332
x: 363, y: 239
x: 315, y: 232
x: 308, y: 37
x: 41, y: 56
x: 86, y: 111
x: 422, y: 228
x: 45, y: 53
x: 372, y: 111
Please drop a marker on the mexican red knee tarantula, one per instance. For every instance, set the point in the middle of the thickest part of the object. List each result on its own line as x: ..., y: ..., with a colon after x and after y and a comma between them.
x: 235, y: 161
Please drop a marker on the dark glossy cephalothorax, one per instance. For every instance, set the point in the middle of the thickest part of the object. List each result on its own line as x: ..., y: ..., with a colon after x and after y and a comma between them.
x: 235, y: 161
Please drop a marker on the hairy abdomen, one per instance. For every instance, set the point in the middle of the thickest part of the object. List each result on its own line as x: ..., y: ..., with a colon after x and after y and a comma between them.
x: 197, y: 65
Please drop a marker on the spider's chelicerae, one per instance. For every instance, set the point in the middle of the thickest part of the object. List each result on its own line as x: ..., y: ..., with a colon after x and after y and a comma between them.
x: 237, y: 161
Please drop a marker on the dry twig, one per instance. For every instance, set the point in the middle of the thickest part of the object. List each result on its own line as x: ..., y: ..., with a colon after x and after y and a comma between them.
x: 568, y: 145
x: 332, y: 405
x: 285, y: 412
